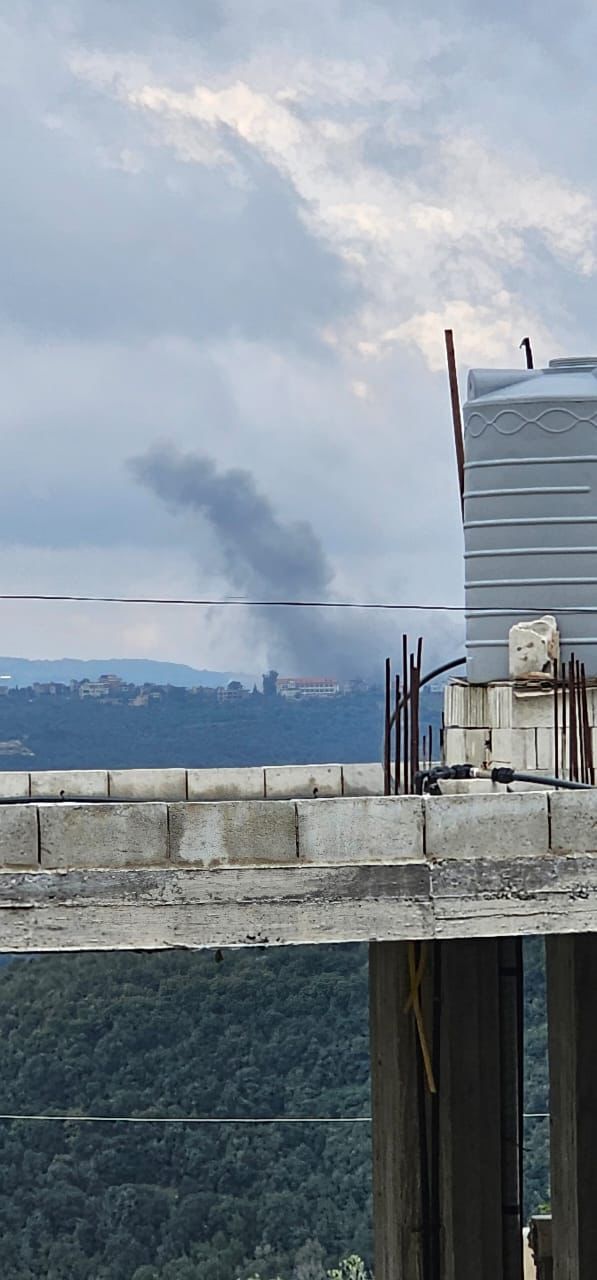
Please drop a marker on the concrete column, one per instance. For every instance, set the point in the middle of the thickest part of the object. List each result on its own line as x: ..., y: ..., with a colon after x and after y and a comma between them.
x: 471, y: 1163
x: 463, y: 1151
x: 397, y: 1204
x: 572, y: 1013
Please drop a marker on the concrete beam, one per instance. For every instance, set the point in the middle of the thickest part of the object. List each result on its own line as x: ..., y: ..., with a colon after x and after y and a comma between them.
x: 386, y: 868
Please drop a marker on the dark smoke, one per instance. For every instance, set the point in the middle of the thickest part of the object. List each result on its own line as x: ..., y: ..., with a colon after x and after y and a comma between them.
x: 265, y: 558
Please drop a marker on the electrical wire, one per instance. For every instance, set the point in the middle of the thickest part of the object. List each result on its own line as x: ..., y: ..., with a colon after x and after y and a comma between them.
x: 211, y: 1120
x: 245, y: 602
x: 195, y: 1120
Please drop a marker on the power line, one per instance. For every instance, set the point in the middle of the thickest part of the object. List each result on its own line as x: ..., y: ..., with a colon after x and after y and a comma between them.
x: 234, y: 601
x: 245, y: 602
x: 195, y: 1120
x: 213, y: 1120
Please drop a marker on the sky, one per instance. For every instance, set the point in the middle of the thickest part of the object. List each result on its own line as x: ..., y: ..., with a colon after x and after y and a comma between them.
x: 233, y: 232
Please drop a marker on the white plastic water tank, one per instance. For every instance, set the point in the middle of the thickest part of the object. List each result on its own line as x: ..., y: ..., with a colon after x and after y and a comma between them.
x: 530, y: 509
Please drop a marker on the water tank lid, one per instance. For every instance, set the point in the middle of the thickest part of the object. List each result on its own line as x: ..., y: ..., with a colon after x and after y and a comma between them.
x: 574, y: 362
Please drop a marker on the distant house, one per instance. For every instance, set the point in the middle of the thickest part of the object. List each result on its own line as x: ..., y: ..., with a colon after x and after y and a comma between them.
x: 108, y: 686
x: 233, y: 692
x: 307, y: 687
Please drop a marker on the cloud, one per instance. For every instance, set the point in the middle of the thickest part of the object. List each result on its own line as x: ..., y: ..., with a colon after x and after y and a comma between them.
x: 443, y: 233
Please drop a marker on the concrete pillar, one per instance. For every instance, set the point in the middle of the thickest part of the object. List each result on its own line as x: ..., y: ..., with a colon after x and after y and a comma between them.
x: 467, y: 1153
x: 397, y: 1204
x: 471, y: 1173
x: 572, y: 1014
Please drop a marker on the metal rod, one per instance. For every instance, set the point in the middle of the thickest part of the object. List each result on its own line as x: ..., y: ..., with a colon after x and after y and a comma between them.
x: 580, y: 722
x: 586, y: 725
x: 572, y: 721
x: 397, y: 739
x: 556, y: 726
x: 528, y: 350
x: 565, y: 749
x: 387, y: 734
x: 456, y: 414
x: 406, y: 701
x: 413, y: 724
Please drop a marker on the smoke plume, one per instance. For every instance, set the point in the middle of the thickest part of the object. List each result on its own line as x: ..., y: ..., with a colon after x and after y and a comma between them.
x: 264, y: 557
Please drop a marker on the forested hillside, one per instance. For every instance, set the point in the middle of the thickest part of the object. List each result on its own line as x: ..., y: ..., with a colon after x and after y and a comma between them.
x: 271, y: 1033
x: 181, y: 730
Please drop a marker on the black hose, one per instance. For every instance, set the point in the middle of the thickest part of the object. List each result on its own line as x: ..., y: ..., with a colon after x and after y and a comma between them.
x: 512, y: 775
x: 427, y: 780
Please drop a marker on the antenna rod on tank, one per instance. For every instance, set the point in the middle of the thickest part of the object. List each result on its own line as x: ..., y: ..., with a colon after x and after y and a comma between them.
x: 456, y: 414
x: 528, y: 351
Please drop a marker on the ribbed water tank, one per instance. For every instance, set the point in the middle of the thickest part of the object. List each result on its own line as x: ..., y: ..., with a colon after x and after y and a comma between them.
x: 530, y: 509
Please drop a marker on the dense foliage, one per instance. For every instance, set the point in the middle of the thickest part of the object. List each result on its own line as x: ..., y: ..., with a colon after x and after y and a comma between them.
x: 271, y: 1033
x: 185, y: 730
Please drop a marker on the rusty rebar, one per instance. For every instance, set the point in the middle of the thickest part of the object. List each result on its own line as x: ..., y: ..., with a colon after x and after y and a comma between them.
x: 397, y: 724
x: 556, y: 724
x: 588, y: 736
x: 407, y: 710
x: 387, y: 731
x: 572, y: 721
x: 456, y: 413
x: 580, y: 722
x: 565, y: 746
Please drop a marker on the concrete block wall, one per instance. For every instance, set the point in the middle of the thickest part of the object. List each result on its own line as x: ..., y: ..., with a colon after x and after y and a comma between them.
x: 353, y: 831
x: 263, y: 783
x: 507, y: 724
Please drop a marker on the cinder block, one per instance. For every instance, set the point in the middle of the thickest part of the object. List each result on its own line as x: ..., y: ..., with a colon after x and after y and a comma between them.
x: 532, y: 710
x: 225, y: 784
x: 148, y: 784
x: 545, y: 750
x: 516, y: 747
x: 362, y: 779
x: 486, y: 826
x: 18, y: 836
x: 110, y: 835
x: 303, y: 781
x: 499, y: 705
x: 468, y: 787
x: 465, y: 706
x: 14, y: 785
x: 72, y: 783
x: 573, y: 821
x: 369, y: 829
x: 466, y: 746
x: 234, y: 833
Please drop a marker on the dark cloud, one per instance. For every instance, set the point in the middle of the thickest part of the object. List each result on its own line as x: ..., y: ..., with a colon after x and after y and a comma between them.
x: 264, y: 557
x: 91, y: 250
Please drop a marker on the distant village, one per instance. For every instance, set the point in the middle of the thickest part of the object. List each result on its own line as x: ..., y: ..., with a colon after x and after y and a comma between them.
x: 112, y: 689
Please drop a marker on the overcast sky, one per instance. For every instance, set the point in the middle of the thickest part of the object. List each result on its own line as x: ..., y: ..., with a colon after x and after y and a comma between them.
x: 239, y: 228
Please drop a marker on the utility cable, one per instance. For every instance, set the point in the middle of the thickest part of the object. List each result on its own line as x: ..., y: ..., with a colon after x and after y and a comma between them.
x: 211, y: 1120
x: 194, y: 1120
x: 245, y: 602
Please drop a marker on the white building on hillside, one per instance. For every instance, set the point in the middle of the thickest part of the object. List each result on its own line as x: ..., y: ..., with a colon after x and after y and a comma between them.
x: 307, y: 687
